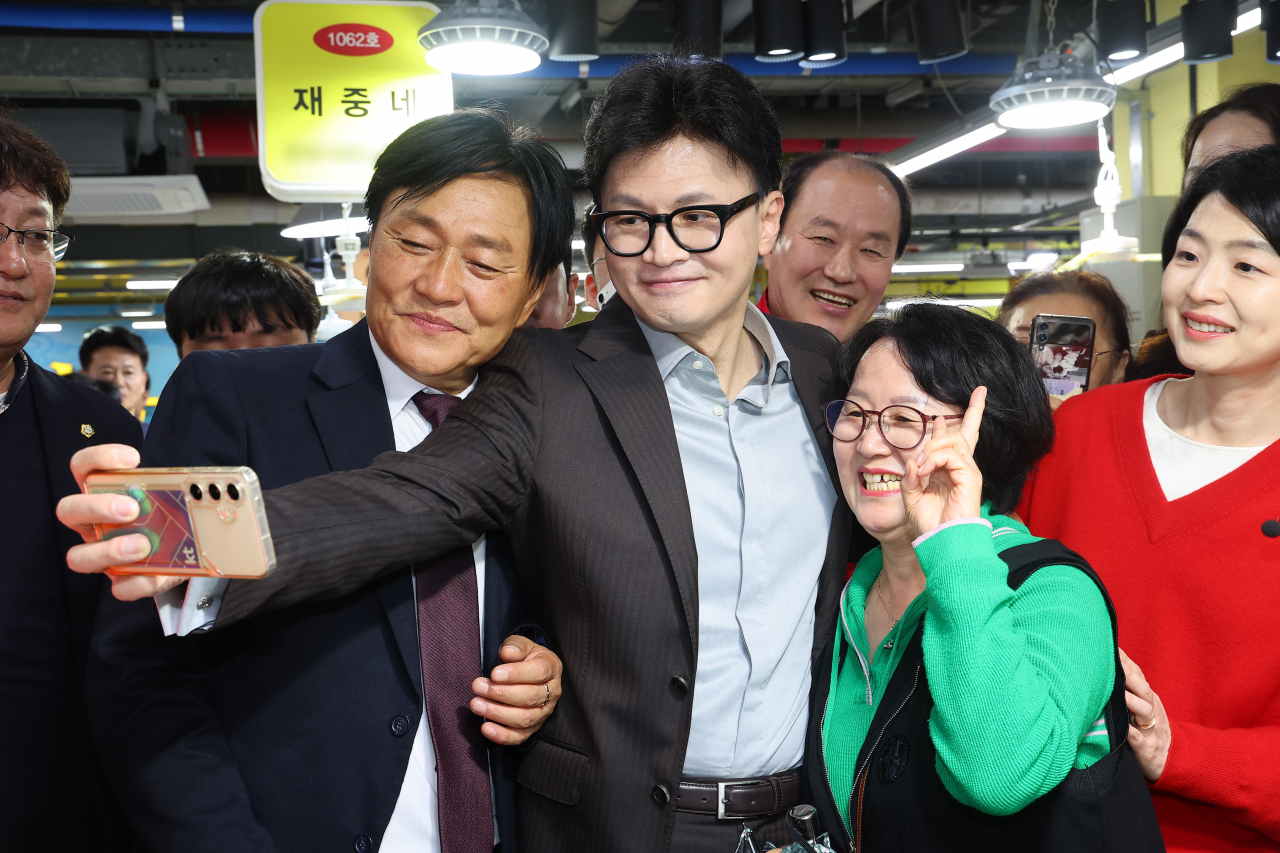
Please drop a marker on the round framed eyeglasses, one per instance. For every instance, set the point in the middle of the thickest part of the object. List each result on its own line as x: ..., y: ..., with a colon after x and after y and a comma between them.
x: 697, y: 228
x: 902, y: 426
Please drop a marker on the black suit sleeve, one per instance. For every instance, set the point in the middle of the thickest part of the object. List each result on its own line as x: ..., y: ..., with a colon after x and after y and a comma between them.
x: 335, y: 533
x: 164, y: 747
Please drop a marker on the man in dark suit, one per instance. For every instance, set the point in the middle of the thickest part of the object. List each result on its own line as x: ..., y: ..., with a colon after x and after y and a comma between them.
x: 303, y: 730
x: 689, y: 609
x: 54, y: 795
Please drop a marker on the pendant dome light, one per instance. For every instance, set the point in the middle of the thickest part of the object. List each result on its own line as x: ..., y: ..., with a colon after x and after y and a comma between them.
x: 576, y: 37
x: 1054, y: 90
x: 779, y: 30
x: 1206, y: 30
x: 699, y: 28
x: 483, y: 37
x: 939, y: 29
x: 1122, y: 29
x: 1271, y: 22
x: 824, y: 43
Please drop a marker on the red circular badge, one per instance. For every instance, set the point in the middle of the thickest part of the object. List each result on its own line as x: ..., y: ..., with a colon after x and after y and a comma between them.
x: 353, y: 39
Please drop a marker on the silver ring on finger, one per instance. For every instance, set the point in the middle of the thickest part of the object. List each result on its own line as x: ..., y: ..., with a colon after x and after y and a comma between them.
x: 548, y: 699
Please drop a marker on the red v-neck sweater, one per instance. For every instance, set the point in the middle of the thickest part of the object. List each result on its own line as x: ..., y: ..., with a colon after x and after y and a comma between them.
x: 1196, y: 586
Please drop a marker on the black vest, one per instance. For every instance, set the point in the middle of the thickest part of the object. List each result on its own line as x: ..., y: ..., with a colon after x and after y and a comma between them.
x: 900, y: 804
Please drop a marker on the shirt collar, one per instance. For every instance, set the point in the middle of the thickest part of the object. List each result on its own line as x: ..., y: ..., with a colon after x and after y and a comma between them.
x: 668, y: 350
x: 21, y: 365
x: 400, y: 386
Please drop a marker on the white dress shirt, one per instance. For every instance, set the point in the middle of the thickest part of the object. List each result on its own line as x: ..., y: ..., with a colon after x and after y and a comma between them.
x: 415, y: 824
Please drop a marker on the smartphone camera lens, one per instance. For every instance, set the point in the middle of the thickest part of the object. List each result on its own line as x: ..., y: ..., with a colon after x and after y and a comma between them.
x: 196, y: 493
x: 215, y: 492
x: 1044, y: 326
x: 233, y: 491
x: 1043, y: 337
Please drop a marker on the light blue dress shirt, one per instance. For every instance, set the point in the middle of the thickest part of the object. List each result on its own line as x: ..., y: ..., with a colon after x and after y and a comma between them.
x: 761, y: 501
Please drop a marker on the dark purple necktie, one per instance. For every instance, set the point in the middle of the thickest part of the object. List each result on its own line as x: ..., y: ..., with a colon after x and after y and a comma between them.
x: 449, y: 643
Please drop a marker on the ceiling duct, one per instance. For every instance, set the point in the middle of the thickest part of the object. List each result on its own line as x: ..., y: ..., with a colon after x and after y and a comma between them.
x: 106, y: 200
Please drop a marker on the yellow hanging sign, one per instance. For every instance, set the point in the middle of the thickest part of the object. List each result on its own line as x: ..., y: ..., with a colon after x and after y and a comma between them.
x: 337, y: 81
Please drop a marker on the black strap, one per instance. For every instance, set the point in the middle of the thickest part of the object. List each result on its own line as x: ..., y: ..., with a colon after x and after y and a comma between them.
x: 1024, y: 561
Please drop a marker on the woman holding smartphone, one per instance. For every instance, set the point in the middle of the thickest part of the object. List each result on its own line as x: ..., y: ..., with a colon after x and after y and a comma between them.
x: 970, y: 694
x: 1171, y: 486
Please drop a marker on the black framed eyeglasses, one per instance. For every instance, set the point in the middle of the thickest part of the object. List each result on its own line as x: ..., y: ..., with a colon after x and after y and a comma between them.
x: 696, y: 228
x: 38, y: 243
x: 902, y: 426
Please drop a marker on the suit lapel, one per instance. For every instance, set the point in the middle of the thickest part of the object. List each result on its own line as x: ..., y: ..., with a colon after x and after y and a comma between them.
x: 625, y: 381
x: 354, y: 426
x: 812, y: 376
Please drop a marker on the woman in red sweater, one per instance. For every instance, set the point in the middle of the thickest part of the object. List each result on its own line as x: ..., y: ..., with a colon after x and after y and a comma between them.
x: 1170, y: 487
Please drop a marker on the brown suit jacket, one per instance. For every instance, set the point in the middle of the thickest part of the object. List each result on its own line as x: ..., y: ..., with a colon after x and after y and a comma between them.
x: 568, y: 446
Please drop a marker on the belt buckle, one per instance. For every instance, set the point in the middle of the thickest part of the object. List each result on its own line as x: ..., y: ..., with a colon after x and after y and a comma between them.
x: 722, y: 799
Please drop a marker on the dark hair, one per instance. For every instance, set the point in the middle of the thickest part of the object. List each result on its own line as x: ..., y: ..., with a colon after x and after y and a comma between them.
x: 231, y: 286
x: 590, y: 236
x: 111, y: 336
x: 1156, y: 357
x: 950, y: 352
x: 661, y: 97
x: 109, y: 388
x: 1248, y: 180
x: 804, y: 167
x: 29, y: 162
x: 475, y: 141
x: 1083, y: 283
x: 1260, y: 100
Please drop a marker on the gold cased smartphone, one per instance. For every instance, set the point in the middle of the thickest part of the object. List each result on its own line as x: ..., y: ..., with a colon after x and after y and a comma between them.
x: 201, y: 521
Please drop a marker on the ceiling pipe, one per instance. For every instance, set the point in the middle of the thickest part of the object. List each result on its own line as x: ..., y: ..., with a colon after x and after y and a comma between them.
x: 611, y: 13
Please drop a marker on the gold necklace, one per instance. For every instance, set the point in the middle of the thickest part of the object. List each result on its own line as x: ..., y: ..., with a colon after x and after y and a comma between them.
x: 880, y: 595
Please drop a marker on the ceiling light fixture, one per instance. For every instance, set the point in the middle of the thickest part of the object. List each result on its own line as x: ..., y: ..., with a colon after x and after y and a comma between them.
x: 49, y: 327
x: 1122, y: 29
x: 948, y: 149
x: 152, y: 284
x: 939, y: 29
x: 1173, y: 53
x: 147, y: 324
x: 824, y: 42
x: 1206, y: 30
x: 779, y: 30
x: 920, y: 269
x: 575, y: 37
x: 1270, y: 10
x: 484, y: 38
x: 323, y: 220
x: 699, y: 28
x: 137, y: 312
x: 1053, y: 90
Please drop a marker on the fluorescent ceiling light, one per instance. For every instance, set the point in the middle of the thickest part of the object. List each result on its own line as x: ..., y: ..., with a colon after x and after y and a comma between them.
x: 138, y: 313
x: 900, y: 269
x: 148, y: 324
x: 49, y: 327
x: 949, y: 149
x: 957, y: 301
x: 325, y: 228
x: 152, y: 284
x: 1174, y: 53
x: 578, y: 245
x: 1042, y: 259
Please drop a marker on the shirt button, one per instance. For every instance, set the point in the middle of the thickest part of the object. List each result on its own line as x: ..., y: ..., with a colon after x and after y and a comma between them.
x: 718, y: 411
x: 697, y: 365
x: 204, y: 602
x: 400, y: 726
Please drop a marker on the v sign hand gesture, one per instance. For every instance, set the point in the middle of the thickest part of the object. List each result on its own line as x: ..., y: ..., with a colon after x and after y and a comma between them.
x: 943, y: 483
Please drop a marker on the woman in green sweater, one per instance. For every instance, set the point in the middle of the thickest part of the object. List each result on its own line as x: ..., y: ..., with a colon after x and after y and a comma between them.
x: 970, y: 692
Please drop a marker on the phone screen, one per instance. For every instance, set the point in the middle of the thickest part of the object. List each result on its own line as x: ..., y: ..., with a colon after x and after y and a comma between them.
x: 1063, y: 351
x: 163, y: 518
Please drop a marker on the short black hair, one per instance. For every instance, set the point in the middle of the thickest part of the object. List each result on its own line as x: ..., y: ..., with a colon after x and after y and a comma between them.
x: 804, y: 167
x: 29, y: 162
x: 951, y: 351
x: 111, y: 336
x: 109, y: 388
x: 1260, y: 100
x: 231, y: 286
x: 1248, y: 180
x: 661, y: 97
x: 475, y: 141
x: 1095, y: 287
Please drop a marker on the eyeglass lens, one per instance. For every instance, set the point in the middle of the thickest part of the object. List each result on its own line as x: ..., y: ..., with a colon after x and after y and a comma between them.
x: 39, y: 243
x: 694, y: 230
x: 901, y: 426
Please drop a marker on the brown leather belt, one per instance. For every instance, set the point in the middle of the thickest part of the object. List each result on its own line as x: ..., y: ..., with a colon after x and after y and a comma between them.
x: 744, y: 798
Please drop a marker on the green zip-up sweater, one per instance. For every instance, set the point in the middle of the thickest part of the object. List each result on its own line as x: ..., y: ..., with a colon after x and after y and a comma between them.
x: 1020, y: 679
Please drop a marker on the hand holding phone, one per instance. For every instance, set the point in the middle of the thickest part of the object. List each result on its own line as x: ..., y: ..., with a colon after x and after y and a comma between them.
x: 198, y: 521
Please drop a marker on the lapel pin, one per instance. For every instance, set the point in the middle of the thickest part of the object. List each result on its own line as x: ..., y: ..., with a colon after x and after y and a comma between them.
x: 87, y: 430
x: 1271, y: 527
